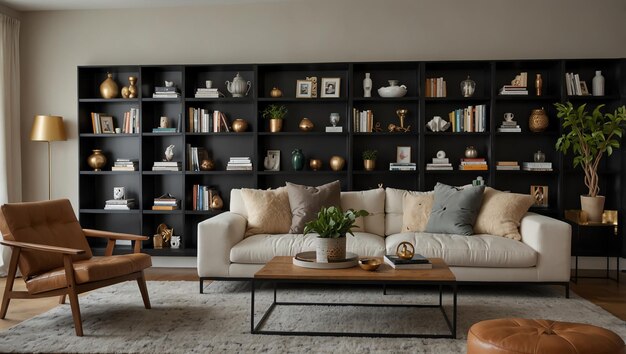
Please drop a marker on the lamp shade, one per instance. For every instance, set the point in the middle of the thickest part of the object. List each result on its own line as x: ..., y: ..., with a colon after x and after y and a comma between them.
x: 48, y: 128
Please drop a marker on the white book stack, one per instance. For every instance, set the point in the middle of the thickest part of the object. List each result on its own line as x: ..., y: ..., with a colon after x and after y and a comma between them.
x: 439, y: 164
x: 537, y: 166
x: 124, y: 165
x: 402, y: 166
x: 510, y: 90
x: 207, y: 93
x: 166, y: 166
x: 165, y: 92
x: 119, y: 204
x: 239, y: 164
x: 509, y: 127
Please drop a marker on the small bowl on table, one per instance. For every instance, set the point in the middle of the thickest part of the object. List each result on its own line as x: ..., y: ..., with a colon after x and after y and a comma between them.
x: 370, y: 264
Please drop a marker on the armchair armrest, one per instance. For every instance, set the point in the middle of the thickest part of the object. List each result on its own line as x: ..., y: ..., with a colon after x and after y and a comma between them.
x: 216, y: 236
x: 39, y: 247
x: 551, y: 238
x: 112, y: 236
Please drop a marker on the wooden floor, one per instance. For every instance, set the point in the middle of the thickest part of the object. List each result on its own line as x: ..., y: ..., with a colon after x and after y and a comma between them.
x: 606, y: 293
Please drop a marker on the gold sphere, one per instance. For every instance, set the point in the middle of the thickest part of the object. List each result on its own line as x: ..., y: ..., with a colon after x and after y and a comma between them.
x: 97, y: 160
x: 337, y: 163
x: 240, y: 125
x: 315, y: 164
x: 276, y: 92
x: 306, y: 125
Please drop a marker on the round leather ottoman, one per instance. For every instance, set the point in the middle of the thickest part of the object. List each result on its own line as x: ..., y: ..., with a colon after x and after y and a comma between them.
x: 519, y: 336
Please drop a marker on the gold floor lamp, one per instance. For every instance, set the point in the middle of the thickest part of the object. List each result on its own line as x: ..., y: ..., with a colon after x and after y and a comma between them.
x: 48, y: 128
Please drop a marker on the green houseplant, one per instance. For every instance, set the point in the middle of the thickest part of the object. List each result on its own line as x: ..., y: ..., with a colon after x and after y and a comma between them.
x: 332, y: 224
x: 369, y: 159
x: 590, y: 136
x: 275, y: 113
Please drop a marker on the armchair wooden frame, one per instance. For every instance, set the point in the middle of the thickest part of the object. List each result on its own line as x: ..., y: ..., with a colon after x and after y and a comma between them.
x: 72, y: 290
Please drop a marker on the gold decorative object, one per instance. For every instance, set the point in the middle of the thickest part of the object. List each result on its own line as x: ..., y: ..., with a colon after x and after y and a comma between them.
x: 97, y: 160
x: 48, y: 128
x: 125, y: 92
x: 157, y: 241
x: 207, y: 165
x: 401, y: 128
x: 276, y: 125
x: 369, y: 165
x: 538, y: 120
x: 240, y: 125
x: 108, y: 87
x: 538, y: 85
x: 378, y: 128
x: 216, y: 202
x: 276, y: 92
x: 471, y: 152
x: 306, y: 125
x: 403, y: 250
x: 165, y: 234
x: 370, y: 264
x: 337, y: 163
x: 132, y: 88
x: 315, y: 164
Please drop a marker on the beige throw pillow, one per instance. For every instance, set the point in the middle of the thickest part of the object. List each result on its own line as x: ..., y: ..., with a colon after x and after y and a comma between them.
x: 501, y: 213
x: 416, y: 209
x: 268, y: 211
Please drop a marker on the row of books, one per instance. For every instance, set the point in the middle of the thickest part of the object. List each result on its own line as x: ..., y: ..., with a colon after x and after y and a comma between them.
x: 402, y: 166
x: 439, y: 164
x: 202, y: 92
x: 470, y: 119
x: 195, y: 156
x: 123, y: 164
x: 239, y: 164
x: 119, y: 204
x: 166, y: 202
x: 363, y: 121
x: 205, y: 121
x: 131, y: 121
x: 475, y: 164
x: 417, y: 262
x: 574, y: 86
x: 436, y: 87
x: 510, y: 126
x: 166, y: 166
x: 202, y: 196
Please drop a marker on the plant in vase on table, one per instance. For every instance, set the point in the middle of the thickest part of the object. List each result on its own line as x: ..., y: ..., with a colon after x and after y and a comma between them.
x: 332, y: 224
x: 275, y: 113
x: 590, y: 136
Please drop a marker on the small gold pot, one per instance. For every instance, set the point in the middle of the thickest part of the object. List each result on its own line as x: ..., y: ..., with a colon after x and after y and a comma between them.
x: 276, y: 125
x: 337, y: 163
x: 97, y: 160
x: 306, y: 125
x: 369, y: 165
x: 240, y: 125
x: 315, y: 164
x: 276, y: 92
x: 538, y: 120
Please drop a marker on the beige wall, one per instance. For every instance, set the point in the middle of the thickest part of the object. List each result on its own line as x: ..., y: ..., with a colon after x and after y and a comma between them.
x: 55, y: 43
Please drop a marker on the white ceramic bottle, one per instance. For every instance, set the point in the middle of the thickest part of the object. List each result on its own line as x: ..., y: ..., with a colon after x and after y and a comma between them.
x: 367, y: 86
x: 598, y: 84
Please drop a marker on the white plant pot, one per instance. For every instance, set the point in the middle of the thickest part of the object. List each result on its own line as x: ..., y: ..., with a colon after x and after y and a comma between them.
x: 593, y: 207
x: 330, y: 249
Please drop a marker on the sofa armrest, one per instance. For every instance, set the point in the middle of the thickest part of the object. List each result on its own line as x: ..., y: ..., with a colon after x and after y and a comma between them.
x: 216, y: 236
x: 551, y: 238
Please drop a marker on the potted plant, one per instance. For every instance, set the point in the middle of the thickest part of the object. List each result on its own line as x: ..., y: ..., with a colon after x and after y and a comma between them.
x: 275, y: 114
x: 590, y: 136
x: 332, y: 224
x: 369, y: 159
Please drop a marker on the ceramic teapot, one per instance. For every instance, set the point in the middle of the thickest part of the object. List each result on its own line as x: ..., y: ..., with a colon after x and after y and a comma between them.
x: 239, y: 87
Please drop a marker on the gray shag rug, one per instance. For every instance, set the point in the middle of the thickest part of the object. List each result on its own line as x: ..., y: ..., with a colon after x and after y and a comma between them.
x: 183, y: 321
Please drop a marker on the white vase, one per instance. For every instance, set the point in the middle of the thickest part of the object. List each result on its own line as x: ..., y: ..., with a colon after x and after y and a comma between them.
x: 330, y: 249
x: 598, y: 84
x: 367, y: 86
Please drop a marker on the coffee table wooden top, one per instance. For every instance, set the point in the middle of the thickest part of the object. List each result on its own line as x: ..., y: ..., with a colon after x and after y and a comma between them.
x: 282, y: 268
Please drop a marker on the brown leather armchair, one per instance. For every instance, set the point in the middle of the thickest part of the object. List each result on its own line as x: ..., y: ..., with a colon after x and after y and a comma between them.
x: 55, y: 259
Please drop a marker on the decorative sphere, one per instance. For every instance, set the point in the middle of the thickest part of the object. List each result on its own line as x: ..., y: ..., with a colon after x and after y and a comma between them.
x: 315, y: 164
x: 471, y: 152
x: 306, y: 125
x: 240, y: 125
x: 276, y: 92
x: 337, y: 163
x: 207, y: 165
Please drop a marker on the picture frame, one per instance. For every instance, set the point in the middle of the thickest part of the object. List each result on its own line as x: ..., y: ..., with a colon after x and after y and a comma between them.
x: 331, y: 86
x: 583, y: 89
x: 272, y: 160
x: 304, y: 89
x: 540, y: 194
x: 403, y: 154
x: 106, y: 125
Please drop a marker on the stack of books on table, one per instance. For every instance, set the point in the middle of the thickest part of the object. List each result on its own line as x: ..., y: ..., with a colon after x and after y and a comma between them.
x: 510, y: 90
x: 476, y: 164
x: 119, y: 204
x: 537, y: 166
x: 402, y: 166
x: 439, y: 164
x: 124, y: 165
x: 165, y: 202
x: 207, y: 93
x: 165, y: 92
x: 239, y: 164
x: 417, y: 262
x: 507, y: 166
x: 509, y: 127
x: 166, y: 166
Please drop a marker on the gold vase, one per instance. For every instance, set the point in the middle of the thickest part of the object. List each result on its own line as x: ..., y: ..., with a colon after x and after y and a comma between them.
x: 276, y: 125
x: 240, y: 125
x: 538, y: 120
x: 306, y: 125
x: 369, y: 165
x: 108, y: 87
x: 132, y: 88
x: 216, y: 202
x: 315, y: 164
x: 276, y: 92
x: 97, y: 160
x: 337, y: 163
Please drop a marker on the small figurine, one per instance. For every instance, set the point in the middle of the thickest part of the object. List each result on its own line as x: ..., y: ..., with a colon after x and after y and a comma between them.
x: 169, y: 153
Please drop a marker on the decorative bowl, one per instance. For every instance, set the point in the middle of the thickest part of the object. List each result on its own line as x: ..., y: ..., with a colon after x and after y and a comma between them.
x: 392, y: 91
x: 370, y: 264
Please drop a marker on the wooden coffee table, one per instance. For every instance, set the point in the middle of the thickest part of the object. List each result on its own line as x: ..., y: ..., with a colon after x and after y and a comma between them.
x: 280, y: 270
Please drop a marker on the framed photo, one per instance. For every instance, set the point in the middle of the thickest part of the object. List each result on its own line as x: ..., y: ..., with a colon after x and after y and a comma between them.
x: 272, y: 160
x: 583, y: 88
x: 106, y: 125
x: 403, y: 154
x: 540, y: 194
x: 304, y: 89
x: 330, y: 86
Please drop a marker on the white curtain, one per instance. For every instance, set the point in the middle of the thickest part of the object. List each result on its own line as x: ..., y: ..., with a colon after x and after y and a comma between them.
x: 10, y: 161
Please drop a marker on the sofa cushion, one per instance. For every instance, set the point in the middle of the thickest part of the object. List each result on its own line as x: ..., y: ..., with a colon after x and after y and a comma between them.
x: 263, y: 247
x: 461, y: 251
x: 501, y: 212
x: 236, y: 203
x: 305, y: 202
x: 373, y: 201
x: 268, y: 211
x: 455, y: 209
x: 417, y: 209
x: 394, y: 212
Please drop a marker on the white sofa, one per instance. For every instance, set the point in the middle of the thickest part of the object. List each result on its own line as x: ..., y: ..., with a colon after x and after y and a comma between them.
x: 542, y: 256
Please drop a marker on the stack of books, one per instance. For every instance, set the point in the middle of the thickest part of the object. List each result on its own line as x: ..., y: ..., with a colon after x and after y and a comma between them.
x: 124, y: 165
x: 202, y: 92
x: 202, y: 196
x: 476, y: 164
x: 436, y: 87
x: 119, y: 204
x: 537, y: 166
x: 439, y: 164
x: 239, y: 164
x: 402, y: 166
x: 574, y: 86
x: 507, y: 166
x: 363, y: 121
x: 510, y: 90
x: 509, y: 127
x: 166, y: 166
x: 417, y: 262
x: 165, y: 202
x: 165, y: 92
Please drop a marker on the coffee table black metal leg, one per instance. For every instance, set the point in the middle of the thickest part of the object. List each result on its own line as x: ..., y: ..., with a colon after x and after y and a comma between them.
x: 454, y: 287
x: 252, y: 307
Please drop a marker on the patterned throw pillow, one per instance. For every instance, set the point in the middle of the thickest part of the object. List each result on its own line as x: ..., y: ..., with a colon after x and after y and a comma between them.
x: 416, y: 209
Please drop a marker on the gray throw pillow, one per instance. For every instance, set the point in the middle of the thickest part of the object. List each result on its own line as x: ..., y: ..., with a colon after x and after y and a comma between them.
x: 455, y: 209
x: 306, y: 202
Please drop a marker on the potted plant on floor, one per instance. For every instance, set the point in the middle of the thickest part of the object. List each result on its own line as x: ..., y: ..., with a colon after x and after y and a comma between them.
x: 332, y: 224
x: 590, y: 136
x: 369, y: 159
x: 275, y: 114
